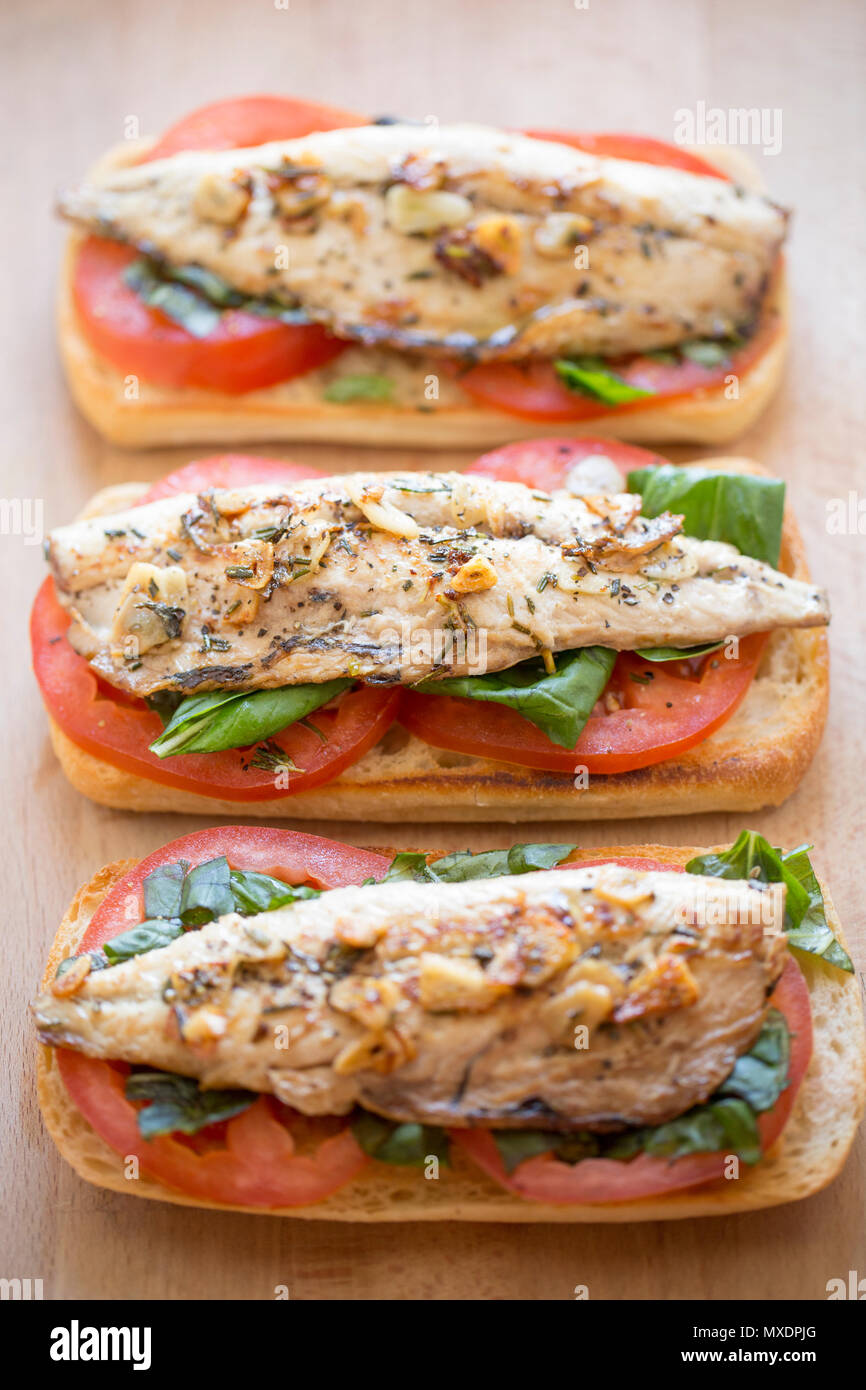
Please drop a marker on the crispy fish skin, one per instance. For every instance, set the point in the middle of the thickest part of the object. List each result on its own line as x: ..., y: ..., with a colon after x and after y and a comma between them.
x: 596, y: 997
x: 395, y: 579
x: 317, y: 223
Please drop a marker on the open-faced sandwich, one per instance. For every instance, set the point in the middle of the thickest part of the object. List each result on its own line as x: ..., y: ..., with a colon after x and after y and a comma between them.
x: 570, y: 629
x: 264, y: 1020
x: 275, y: 269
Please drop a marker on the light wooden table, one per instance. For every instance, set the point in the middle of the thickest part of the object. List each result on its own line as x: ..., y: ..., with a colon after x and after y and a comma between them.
x: 71, y: 75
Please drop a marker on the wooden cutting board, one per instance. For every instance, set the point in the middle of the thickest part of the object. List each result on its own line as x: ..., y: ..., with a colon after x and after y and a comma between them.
x: 72, y: 77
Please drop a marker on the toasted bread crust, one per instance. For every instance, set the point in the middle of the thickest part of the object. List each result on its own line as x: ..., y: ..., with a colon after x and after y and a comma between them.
x: 756, y: 759
x: 810, y: 1153
x: 295, y: 411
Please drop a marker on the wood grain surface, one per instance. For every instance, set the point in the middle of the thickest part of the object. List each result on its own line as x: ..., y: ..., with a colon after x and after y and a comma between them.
x: 71, y: 75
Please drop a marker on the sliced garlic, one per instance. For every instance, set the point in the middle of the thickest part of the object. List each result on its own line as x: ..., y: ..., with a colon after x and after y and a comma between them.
x: 583, y: 1003
x: 558, y: 234
x: 72, y: 979
x: 300, y: 193
x: 412, y: 210
x: 476, y: 575
x: 318, y: 542
x: 204, y: 1026
x: 623, y: 889
x: 151, y: 609
x: 375, y: 1051
x: 671, y: 563
x: 447, y: 982
x: 383, y: 515
x: 500, y: 237
x: 663, y: 987
x: 249, y: 563
x: 220, y: 199
x: 368, y: 1001
x: 346, y: 207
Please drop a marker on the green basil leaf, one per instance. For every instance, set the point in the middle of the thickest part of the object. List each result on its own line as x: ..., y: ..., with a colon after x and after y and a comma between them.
x: 761, y: 1075
x: 272, y: 309
x: 517, y: 1145
x: 163, y: 890
x: 195, y: 297
x: 178, y: 302
x: 526, y: 859
x: 147, y: 936
x: 405, y: 867
x: 206, y: 893
x: 753, y: 857
x: 675, y: 653
x: 710, y: 352
x: 192, y: 897
x: 206, y: 282
x: 184, y: 897
x: 743, y: 509
x: 407, y: 1145
x: 362, y: 387
x: 164, y: 703
x: 463, y: 865
x: 720, y: 1126
x: 590, y: 377
x: 254, y: 893
x: 223, y: 719
x: 812, y: 933
x: 177, y: 1103
x: 806, y: 926
x: 558, y: 704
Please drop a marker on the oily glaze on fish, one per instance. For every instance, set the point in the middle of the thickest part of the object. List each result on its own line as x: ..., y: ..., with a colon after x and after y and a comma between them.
x: 455, y: 1003
x: 387, y: 578
x: 461, y: 240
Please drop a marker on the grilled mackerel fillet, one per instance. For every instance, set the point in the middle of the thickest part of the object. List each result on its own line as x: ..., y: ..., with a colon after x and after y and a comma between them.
x: 461, y: 240
x: 597, y: 996
x: 389, y: 578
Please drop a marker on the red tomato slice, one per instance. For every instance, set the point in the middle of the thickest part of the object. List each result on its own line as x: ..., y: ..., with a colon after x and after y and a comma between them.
x: 257, y: 1167
x: 545, y: 463
x: 656, y: 720
x: 285, y: 854
x: 227, y: 471
x: 253, y: 1159
x: 245, y: 352
x: 119, y: 730
x: 244, y: 122
x: 641, y: 148
x: 603, y: 1180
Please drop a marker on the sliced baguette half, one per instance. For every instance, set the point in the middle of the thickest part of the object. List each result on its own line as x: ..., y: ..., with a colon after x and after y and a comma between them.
x: 756, y: 759
x: 808, y: 1155
x: 138, y: 414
